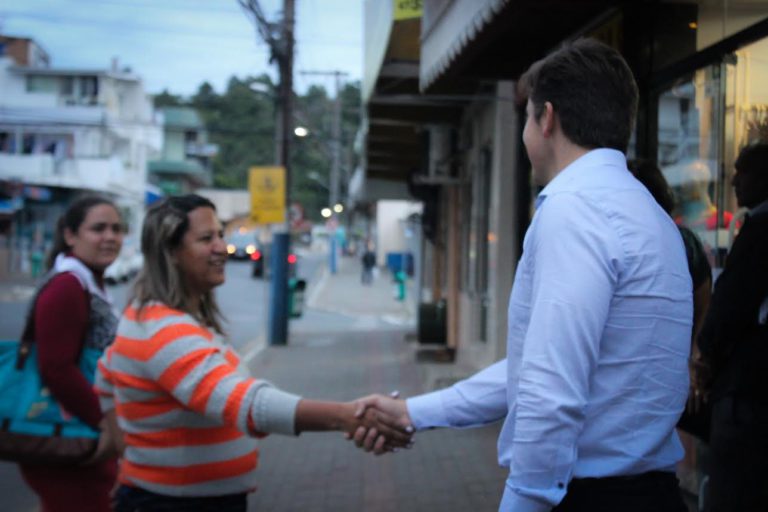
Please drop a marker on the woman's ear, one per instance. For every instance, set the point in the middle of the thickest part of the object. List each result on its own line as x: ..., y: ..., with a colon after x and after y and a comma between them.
x: 69, y: 237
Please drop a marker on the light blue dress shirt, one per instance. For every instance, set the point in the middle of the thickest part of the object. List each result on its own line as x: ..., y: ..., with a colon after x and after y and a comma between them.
x: 599, y: 331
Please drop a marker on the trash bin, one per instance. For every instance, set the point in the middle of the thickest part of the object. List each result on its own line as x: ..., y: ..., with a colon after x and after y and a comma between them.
x: 296, y: 288
x: 432, y: 324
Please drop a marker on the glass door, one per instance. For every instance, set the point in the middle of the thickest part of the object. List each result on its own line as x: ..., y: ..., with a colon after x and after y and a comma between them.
x: 690, y: 154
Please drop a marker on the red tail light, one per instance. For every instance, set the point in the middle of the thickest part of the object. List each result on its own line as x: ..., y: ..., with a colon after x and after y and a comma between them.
x: 256, y: 255
x: 291, y: 259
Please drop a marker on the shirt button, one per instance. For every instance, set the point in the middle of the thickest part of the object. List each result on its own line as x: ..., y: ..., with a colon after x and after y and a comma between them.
x: 560, y: 485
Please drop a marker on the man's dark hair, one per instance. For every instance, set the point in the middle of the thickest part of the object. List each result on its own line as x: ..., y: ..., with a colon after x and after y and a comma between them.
x: 753, y: 158
x: 592, y: 90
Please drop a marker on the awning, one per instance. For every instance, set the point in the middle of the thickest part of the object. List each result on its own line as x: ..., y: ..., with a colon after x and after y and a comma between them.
x: 468, y: 41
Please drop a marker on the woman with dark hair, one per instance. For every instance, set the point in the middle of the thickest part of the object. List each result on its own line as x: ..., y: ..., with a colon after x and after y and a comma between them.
x: 188, y: 408
x: 73, y: 310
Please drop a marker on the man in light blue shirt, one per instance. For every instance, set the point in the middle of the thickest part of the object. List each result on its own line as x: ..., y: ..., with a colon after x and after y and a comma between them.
x: 600, y: 314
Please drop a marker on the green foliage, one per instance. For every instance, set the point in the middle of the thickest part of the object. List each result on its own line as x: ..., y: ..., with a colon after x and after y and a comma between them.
x: 242, y: 122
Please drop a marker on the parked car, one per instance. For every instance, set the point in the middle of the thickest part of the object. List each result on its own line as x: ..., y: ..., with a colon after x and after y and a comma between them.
x: 260, y: 269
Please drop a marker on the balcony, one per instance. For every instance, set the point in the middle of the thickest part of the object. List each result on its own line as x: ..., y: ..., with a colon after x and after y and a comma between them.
x: 98, y: 174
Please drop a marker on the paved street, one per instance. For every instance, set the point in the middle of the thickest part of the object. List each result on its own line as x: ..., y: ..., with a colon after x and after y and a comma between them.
x: 351, y: 341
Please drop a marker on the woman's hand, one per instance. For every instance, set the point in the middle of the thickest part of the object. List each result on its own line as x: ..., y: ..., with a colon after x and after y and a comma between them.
x: 389, y: 412
x: 700, y: 380
x: 350, y: 417
x: 110, y: 443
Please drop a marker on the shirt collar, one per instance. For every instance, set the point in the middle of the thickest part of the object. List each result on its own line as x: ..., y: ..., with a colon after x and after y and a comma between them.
x: 577, y: 173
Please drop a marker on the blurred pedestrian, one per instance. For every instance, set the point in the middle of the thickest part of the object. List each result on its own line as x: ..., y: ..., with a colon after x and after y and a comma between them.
x: 369, y: 262
x: 599, y: 316
x: 187, y: 406
x: 734, y: 351
x: 73, y: 310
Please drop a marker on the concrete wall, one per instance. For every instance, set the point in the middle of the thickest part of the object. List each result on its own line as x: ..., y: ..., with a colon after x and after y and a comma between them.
x: 390, y: 236
x: 495, y: 126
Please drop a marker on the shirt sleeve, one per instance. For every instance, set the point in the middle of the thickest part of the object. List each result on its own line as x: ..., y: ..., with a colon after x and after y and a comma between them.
x: 197, y: 374
x: 473, y: 402
x: 61, y: 320
x: 576, y: 258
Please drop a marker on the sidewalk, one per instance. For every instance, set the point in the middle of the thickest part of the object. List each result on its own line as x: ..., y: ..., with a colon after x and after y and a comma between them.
x: 344, y: 293
x: 447, y: 470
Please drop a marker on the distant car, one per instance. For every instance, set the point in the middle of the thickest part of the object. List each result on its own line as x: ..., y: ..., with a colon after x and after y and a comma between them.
x: 259, y: 268
x: 243, y: 245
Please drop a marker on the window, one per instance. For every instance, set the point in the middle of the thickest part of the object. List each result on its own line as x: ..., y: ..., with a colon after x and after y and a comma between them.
x: 704, y: 120
x: 45, y: 84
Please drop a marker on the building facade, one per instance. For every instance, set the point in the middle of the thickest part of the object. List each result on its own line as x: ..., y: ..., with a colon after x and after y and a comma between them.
x: 184, y: 164
x: 701, y: 68
x: 65, y: 132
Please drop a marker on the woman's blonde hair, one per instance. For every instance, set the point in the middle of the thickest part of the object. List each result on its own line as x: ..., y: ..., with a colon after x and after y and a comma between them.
x: 160, y: 279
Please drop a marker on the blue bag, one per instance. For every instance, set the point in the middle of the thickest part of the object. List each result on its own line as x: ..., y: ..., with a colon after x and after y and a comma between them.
x: 33, y: 427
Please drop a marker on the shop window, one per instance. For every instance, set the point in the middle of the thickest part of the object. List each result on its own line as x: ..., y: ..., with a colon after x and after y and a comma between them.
x: 43, y: 84
x: 690, y: 138
x: 704, y: 120
x: 6, y: 142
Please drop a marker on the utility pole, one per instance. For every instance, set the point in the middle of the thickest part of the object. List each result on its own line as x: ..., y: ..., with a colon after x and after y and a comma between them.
x: 333, y: 196
x: 333, y: 190
x: 279, y: 37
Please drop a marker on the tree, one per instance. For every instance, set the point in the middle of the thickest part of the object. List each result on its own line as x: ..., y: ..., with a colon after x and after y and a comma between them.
x: 242, y: 122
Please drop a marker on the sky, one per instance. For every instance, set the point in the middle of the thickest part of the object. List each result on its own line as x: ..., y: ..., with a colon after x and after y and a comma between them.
x: 178, y: 44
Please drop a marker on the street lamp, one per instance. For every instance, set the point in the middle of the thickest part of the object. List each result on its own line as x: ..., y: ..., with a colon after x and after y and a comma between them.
x: 338, y: 208
x: 300, y: 131
x: 326, y: 213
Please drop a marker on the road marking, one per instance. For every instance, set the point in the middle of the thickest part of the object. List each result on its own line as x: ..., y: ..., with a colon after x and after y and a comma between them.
x: 319, y: 287
x: 259, y: 344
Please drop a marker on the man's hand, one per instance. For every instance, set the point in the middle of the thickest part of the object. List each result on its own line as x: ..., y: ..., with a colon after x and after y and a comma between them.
x: 388, y: 435
x: 390, y: 412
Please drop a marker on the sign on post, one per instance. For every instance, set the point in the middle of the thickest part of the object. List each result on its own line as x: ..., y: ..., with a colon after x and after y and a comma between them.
x: 408, y: 9
x: 267, y: 188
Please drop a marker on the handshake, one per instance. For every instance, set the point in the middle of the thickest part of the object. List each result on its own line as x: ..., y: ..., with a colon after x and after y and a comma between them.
x: 381, y: 424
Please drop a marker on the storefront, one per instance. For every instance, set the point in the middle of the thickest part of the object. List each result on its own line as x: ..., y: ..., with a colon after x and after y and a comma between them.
x: 702, y: 67
x: 703, y: 70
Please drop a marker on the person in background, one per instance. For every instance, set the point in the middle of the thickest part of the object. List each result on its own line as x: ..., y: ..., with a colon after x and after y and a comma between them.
x: 694, y: 207
x: 189, y: 410
x: 73, y: 310
x: 369, y: 262
x: 600, y: 313
x: 733, y: 346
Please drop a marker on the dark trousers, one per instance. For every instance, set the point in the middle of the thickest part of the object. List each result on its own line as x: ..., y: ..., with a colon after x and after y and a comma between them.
x: 738, y: 456
x: 655, y: 491
x: 133, y: 499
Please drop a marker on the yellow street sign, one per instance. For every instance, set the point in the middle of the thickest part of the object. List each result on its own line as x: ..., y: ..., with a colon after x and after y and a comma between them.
x: 407, y: 9
x: 267, y: 187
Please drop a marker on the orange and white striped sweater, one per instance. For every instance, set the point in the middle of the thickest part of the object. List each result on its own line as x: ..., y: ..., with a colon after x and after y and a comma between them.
x: 188, y: 412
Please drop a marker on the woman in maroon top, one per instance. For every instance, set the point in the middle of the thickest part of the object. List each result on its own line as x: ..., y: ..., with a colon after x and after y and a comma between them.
x: 73, y: 311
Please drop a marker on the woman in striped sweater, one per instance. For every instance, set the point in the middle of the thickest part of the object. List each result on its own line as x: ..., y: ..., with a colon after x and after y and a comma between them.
x: 188, y: 410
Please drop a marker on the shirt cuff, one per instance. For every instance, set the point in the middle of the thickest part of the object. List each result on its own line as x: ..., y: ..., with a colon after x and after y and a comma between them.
x: 274, y: 411
x: 515, y: 502
x: 427, y: 410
